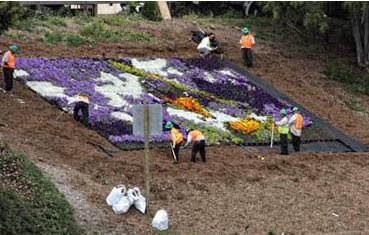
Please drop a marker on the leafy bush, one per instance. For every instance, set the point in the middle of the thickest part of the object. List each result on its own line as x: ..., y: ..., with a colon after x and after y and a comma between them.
x: 10, y: 13
x: 53, y: 37
x: 99, y: 30
x: 75, y: 40
x: 132, y: 36
x: 231, y: 14
x: 150, y: 12
x: 29, y: 202
x: 56, y: 21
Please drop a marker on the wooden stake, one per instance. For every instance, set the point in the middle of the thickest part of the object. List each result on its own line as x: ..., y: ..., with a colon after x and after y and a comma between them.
x: 146, y: 155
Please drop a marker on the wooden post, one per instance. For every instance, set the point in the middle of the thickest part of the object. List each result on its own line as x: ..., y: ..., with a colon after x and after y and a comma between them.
x: 146, y: 155
x: 164, y: 10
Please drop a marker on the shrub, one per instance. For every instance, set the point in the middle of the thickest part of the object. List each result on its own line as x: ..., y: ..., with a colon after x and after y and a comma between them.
x: 10, y: 13
x: 132, y: 36
x: 99, y: 30
x: 52, y: 37
x: 150, y: 12
x: 56, y: 21
x: 75, y: 40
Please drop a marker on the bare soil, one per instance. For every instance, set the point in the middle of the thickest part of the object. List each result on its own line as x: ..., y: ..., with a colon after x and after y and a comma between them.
x: 239, y: 190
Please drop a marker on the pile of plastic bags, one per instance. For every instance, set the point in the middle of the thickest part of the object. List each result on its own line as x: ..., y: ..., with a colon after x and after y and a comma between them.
x: 121, y: 199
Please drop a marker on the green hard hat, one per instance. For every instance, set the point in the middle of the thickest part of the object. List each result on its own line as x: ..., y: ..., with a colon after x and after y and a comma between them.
x: 245, y: 30
x: 13, y: 48
x: 168, y: 125
x: 295, y: 109
x: 283, y: 112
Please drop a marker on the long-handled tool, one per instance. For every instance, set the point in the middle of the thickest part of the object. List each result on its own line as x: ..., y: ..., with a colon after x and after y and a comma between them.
x: 173, y: 153
x: 271, y: 138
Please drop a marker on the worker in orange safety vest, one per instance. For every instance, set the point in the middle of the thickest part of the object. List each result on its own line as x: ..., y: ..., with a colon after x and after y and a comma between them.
x: 82, y: 104
x: 176, y: 138
x: 247, y: 42
x: 8, y: 64
x: 295, y: 126
x: 199, y: 144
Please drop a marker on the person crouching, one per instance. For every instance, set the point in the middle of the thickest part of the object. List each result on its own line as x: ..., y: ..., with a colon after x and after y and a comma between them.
x: 176, y: 138
x: 199, y: 144
x: 82, y: 104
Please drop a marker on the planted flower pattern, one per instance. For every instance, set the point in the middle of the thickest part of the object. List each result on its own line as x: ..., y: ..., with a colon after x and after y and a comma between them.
x: 195, y: 93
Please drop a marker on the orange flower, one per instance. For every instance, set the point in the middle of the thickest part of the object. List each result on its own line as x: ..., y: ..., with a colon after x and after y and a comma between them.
x: 245, y: 126
x: 191, y: 104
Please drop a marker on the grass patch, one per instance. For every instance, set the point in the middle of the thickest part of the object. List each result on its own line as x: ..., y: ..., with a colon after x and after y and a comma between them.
x: 55, y: 21
x: 71, y: 39
x: 25, y: 25
x: 16, y: 35
x: 354, y: 105
x: 53, y: 37
x: 355, y: 83
x: 29, y: 202
x: 99, y: 30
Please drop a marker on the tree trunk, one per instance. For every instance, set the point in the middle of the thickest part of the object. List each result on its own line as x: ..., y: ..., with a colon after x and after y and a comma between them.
x: 366, y: 37
x: 357, y: 36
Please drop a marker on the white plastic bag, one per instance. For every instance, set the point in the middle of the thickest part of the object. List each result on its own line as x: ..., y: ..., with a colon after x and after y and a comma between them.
x: 160, y: 220
x: 115, y: 195
x: 140, y: 203
x: 123, y: 205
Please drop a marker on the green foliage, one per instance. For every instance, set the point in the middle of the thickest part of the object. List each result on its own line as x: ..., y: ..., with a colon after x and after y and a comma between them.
x: 10, y: 13
x: 99, y: 30
x: 16, y: 35
x: 83, y: 18
x: 71, y: 39
x: 29, y: 202
x: 68, y: 39
x: 55, y: 21
x: 150, y: 12
x: 309, y: 14
x: 354, y: 105
x: 231, y: 14
x: 53, y: 37
x: 339, y: 72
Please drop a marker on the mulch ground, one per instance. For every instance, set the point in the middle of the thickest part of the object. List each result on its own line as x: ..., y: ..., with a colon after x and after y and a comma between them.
x: 238, y: 191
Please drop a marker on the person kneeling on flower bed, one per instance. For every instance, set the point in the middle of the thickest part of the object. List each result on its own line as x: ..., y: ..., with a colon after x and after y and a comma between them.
x: 81, y: 105
x: 177, y: 139
x: 199, y: 144
x: 283, y: 131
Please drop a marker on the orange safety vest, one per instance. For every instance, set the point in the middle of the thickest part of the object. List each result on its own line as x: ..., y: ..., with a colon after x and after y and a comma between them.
x: 298, y: 122
x: 195, y: 135
x: 246, y: 41
x: 11, y: 60
x: 178, y: 135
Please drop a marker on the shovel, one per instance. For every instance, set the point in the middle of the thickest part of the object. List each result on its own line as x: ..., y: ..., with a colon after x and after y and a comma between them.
x: 173, y: 153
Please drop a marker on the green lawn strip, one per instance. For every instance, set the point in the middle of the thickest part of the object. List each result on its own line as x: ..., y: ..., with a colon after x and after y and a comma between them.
x: 29, y: 202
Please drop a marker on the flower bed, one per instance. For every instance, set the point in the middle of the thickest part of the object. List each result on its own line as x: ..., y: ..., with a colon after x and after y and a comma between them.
x: 195, y: 93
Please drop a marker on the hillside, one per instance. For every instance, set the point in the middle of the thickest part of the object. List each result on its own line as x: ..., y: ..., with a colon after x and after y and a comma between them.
x: 236, y: 183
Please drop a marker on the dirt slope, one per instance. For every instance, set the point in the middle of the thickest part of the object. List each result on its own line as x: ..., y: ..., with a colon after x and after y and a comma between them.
x: 235, y: 192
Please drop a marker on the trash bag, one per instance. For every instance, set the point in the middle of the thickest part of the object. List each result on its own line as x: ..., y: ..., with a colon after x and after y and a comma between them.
x: 197, y: 36
x: 140, y: 203
x: 160, y: 220
x: 123, y: 205
x: 115, y: 195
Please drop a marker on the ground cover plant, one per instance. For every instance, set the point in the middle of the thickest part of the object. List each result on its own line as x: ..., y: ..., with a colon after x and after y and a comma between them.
x: 195, y: 93
x: 29, y: 202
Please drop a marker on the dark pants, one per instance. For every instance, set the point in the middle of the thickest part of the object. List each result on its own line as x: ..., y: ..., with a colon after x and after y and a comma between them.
x: 8, y: 78
x: 296, y: 140
x: 198, y: 146
x: 176, y: 150
x: 247, y: 56
x: 83, y: 106
x: 284, y: 143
